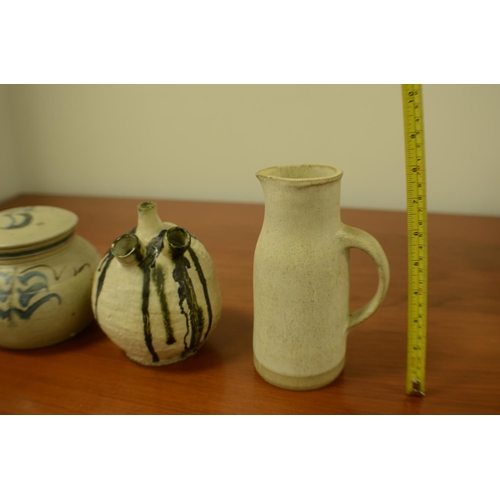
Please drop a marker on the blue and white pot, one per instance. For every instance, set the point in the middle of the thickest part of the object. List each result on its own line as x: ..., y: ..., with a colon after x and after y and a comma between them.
x: 46, y: 273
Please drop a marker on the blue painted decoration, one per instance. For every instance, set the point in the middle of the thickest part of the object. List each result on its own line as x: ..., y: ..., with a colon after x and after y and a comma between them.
x: 22, y: 293
x: 16, y: 218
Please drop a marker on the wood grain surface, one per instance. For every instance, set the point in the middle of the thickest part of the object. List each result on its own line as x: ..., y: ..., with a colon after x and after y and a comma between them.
x: 90, y: 375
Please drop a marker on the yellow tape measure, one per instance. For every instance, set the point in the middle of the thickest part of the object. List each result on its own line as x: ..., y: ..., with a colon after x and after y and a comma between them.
x: 417, y: 238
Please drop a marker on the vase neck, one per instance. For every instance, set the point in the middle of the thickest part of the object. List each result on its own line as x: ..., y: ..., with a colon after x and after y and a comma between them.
x: 149, y: 223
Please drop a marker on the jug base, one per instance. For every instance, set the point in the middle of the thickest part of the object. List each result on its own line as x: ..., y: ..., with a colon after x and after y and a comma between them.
x: 298, y: 383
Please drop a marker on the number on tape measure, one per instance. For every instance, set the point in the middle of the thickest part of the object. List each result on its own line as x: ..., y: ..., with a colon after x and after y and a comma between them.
x: 417, y: 238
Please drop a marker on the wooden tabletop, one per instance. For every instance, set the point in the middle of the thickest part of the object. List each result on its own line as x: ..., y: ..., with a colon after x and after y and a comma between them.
x: 90, y: 375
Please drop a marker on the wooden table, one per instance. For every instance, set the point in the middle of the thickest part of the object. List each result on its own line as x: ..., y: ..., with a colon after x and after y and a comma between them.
x: 90, y: 375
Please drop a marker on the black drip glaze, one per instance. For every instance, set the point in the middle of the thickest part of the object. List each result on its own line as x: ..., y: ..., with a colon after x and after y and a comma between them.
x: 159, y: 280
x: 102, y: 269
x: 153, y: 249
x: 203, y: 281
x: 194, y: 314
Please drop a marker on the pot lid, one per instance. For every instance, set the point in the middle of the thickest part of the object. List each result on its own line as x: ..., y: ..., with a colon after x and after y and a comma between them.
x: 26, y: 229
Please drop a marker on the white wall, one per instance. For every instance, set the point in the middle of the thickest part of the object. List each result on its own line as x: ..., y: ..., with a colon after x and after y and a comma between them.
x: 205, y: 142
x: 10, y: 181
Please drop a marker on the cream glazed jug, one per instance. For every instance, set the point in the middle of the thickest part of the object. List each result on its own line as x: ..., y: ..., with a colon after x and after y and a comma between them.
x: 301, y: 278
x: 155, y: 292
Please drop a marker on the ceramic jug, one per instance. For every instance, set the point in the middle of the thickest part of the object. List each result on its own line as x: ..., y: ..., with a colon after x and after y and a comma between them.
x: 301, y: 278
x: 155, y: 292
x: 46, y: 273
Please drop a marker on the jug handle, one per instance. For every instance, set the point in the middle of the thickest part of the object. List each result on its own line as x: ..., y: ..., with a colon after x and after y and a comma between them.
x: 357, y: 238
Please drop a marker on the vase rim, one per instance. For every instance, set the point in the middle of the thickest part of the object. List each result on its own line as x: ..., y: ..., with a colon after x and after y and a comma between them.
x: 304, y: 174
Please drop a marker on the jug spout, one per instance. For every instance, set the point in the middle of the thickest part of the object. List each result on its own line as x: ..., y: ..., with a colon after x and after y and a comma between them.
x: 301, y: 196
x: 127, y: 250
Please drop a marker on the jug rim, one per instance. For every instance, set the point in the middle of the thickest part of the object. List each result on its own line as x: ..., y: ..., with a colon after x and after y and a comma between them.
x: 308, y: 173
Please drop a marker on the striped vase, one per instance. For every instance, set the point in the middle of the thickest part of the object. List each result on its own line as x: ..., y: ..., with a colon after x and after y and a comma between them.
x: 155, y: 293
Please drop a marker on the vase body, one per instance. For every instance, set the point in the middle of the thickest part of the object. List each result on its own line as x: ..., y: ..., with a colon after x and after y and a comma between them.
x: 155, y: 293
x: 301, y: 278
x: 46, y: 273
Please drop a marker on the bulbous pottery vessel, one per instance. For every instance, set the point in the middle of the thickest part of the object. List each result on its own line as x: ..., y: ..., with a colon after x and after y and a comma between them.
x: 155, y: 292
x: 46, y: 273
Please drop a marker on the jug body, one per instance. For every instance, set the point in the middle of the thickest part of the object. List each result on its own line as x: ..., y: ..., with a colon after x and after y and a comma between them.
x: 301, y: 278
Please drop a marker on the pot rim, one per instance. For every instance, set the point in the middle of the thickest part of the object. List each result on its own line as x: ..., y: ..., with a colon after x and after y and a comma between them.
x: 34, y: 229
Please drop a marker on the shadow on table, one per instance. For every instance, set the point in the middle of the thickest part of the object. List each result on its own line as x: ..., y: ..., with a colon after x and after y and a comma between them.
x: 89, y: 336
x: 228, y: 343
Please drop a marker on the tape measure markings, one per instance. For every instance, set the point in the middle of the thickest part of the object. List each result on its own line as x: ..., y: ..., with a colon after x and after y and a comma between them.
x: 417, y: 239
